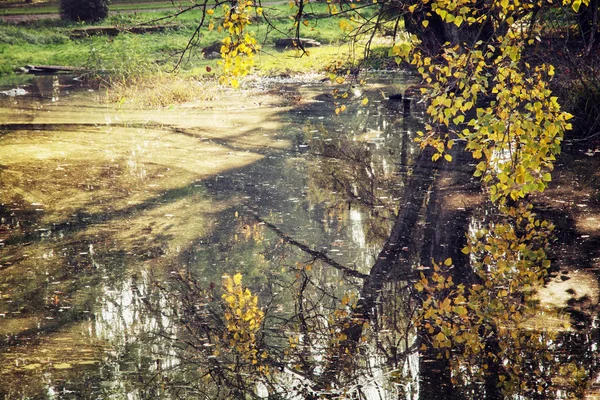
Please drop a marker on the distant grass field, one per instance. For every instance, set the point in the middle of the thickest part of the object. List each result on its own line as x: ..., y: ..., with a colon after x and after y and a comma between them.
x: 49, y: 42
x: 138, y: 59
x: 9, y: 7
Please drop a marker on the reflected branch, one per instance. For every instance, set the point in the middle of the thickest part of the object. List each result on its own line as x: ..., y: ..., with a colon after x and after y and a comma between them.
x: 316, y: 254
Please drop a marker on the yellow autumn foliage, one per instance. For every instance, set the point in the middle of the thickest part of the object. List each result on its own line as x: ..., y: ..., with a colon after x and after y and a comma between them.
x: 243, y: 319
x: 485, y: 94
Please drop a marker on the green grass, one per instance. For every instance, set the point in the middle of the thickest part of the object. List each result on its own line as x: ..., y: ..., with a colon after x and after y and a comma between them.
x: 138, y: 58
x: 48, y: 41
x: 27, y: 11
x: 51, y: 7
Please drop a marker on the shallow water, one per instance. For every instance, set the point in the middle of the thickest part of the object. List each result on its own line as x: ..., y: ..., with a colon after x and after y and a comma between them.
x: 100, y: 205
x: 97, y: 201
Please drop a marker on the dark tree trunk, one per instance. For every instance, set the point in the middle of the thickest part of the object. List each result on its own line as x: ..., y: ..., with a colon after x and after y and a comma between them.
x: 587, y: 19
x: 393, y: 260
x: 439, y: 32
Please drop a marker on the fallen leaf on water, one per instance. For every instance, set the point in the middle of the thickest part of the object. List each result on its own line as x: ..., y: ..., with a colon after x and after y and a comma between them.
x: 62, y: 366
x: 87, y: 362
x: 32, y: 366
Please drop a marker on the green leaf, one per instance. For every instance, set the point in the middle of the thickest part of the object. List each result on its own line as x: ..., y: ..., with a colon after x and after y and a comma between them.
x: 459, y: 119
x: 547, y: 177
x: 461, y: 311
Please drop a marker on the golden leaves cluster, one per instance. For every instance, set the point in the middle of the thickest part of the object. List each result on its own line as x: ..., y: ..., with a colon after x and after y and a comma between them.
x: 487, y: 96
x: 239, y: 46
x: 459, y: 12
x: 243, y: 320
x: 509, y: 262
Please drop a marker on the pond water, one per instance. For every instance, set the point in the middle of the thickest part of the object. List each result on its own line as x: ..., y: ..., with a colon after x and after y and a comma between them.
x: 101, y: 208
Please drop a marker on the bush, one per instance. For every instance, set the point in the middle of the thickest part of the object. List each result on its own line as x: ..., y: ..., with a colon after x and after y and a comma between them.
x: 84, y: 10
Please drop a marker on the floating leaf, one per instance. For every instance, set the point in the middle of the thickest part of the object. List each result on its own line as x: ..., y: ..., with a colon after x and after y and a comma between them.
x: 62, y: 366
x: 32, y: 366
x: 87, y: 362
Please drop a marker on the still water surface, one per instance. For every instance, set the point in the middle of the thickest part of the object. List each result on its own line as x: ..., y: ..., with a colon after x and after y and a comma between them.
x: 100, y: 205
x: 96, y: 200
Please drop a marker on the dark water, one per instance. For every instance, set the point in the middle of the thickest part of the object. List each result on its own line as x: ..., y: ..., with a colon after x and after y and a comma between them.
x: 101, y: 206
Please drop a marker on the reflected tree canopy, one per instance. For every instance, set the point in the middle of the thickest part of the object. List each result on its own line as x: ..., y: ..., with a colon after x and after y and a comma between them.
x: 341, y: 262
x: 454, y: 314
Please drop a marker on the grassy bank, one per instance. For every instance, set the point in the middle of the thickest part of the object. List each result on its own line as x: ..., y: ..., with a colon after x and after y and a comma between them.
x: 49, y: 42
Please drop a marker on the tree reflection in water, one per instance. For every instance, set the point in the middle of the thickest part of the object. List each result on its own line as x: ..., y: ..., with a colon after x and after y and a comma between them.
x: 444, y: 315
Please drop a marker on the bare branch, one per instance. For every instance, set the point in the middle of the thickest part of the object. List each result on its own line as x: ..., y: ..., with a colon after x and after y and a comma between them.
x: 316, y: 254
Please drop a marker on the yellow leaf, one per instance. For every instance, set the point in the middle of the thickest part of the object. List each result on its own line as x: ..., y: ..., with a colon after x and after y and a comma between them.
x: 230, y: 299
x: 365, y: 101
x: 448, y: 157
x: 237, y: 279
x: 448, y: 262
x: 460, y: 311
x: 425, y: 23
